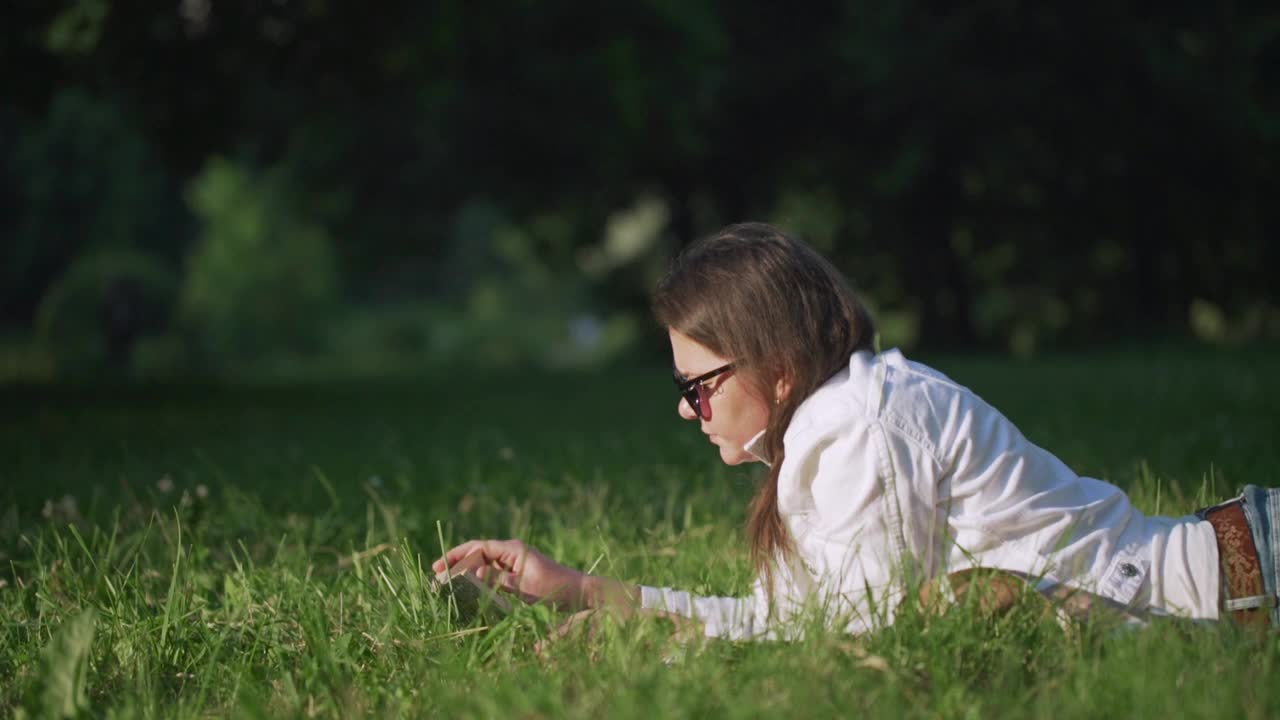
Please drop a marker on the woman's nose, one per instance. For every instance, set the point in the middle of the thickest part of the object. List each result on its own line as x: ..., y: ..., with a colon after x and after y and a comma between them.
x: 685, y: 411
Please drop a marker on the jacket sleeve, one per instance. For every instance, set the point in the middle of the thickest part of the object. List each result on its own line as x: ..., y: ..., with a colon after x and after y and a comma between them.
x: 731, y: 618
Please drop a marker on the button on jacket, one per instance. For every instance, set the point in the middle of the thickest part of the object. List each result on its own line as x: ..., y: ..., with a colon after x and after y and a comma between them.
x: 895, y: 473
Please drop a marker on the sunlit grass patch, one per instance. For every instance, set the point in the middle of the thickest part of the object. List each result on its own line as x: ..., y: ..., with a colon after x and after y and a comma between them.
x: 265, y: 551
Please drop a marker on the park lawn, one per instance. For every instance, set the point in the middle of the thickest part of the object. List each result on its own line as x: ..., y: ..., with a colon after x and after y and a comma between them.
x: 260, y: 550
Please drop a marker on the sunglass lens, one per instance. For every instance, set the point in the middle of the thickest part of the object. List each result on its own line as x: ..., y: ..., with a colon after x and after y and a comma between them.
x: 691, y: 397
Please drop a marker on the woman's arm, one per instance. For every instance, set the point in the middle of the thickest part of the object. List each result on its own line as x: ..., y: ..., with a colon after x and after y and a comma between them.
x: 515, y: 567
x: 996, y: 592
x: 600, y: 592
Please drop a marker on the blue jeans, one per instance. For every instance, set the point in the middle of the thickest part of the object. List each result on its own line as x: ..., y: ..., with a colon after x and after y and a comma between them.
x: 1262, y: 509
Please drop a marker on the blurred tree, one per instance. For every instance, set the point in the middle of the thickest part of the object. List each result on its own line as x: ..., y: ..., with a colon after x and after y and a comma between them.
x: 262, y: 277
x: 93, y: 317
x: 85, y: 179
x: 1007, y: 174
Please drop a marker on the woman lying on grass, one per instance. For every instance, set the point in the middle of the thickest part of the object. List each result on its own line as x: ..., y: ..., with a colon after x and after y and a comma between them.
x: 886, y: 478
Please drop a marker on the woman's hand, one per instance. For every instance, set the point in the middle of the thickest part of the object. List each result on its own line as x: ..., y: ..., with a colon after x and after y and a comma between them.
x: 515, y: 567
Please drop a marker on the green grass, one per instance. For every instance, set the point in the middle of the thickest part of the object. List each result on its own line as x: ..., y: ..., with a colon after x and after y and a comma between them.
x: 260, y: 551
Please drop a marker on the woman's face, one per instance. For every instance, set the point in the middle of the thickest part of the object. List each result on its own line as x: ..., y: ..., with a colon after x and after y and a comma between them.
x: 732, y: 413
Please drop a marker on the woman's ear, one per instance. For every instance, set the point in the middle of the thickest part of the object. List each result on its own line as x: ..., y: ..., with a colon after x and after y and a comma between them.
x: 782, y: 389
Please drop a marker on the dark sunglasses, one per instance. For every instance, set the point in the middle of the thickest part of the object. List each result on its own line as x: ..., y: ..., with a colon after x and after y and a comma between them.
x: 689, y: 388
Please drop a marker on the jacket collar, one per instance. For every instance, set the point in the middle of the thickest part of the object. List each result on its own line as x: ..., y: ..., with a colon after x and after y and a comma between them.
x: 755, y: 446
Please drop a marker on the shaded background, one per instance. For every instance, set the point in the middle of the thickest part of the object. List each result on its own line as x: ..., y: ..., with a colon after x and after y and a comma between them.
x: 315, y: 186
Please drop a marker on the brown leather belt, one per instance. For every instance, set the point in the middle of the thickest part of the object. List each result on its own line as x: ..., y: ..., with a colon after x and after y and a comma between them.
x: 1241, y: 572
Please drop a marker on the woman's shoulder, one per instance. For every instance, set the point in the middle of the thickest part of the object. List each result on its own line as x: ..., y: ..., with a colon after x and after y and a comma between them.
x: 847, y: 399
x: 875, y: 382
x: 885, y: 389
x: 937, y: 412
x: 835, y: 402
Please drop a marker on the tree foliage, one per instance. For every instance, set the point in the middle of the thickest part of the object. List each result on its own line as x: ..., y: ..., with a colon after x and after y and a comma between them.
x: 997, y: 173
x: 263, y: 276
x: 94, y: 316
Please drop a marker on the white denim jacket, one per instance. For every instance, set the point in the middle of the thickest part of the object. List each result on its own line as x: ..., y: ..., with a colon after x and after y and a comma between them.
x: 892, y: 470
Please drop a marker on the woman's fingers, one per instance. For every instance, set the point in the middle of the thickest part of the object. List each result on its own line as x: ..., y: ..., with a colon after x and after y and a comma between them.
x: 499, y: 563
x: 452, y: 556
x: 515, y: 567
x: 498, y: 578
x: 507, y: 554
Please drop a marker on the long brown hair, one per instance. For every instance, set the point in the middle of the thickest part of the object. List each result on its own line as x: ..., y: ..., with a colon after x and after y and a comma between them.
x: 780, y: 312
